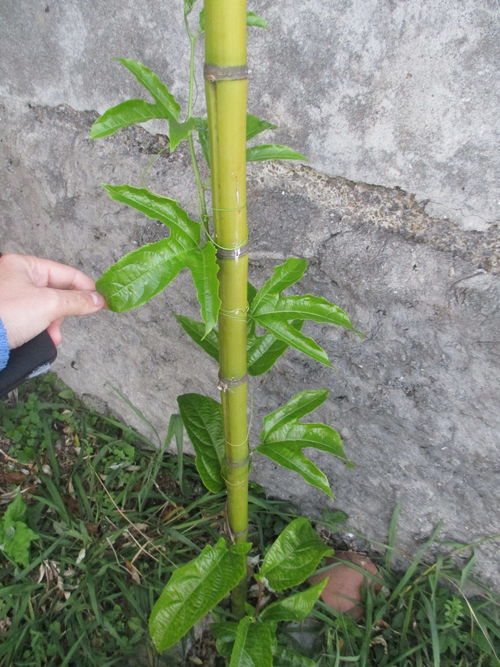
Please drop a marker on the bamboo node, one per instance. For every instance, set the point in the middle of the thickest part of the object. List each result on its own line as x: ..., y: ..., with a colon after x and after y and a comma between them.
x: 237, y: 444
x: 213, y: 73
x: 239, y: 533
x: 236, y: 464
x: 241, y: 482
x: 232, y: 253
x: 225, y: 384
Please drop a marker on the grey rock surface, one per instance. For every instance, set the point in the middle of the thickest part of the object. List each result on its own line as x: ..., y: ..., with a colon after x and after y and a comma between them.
x: 416, y: 401
x: 390, y: 93
x: 394, y: 103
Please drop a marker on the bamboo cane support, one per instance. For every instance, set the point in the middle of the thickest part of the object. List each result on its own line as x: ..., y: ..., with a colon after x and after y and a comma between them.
x: 226, y: 94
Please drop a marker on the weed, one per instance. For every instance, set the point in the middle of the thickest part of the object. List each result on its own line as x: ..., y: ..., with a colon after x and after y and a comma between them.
x: 111, y: 528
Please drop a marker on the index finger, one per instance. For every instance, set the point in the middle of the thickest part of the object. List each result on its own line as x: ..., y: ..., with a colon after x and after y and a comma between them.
x: 47, y: 273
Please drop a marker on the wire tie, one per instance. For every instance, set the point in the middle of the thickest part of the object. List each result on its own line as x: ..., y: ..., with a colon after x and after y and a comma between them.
x: 213, y: 73
x: 232, y: 253
x: 240, y: 533
x: 237, y: 464
x: 234, y: 312
x: 240, y: 483
x: 225, y: 384
x: 240, y: 444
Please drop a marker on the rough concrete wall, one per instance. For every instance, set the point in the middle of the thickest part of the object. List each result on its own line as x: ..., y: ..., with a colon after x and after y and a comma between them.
x: 388, y: 92
x: 415, y: 401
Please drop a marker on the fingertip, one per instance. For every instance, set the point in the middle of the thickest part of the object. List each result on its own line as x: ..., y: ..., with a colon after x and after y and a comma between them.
x: 98, y: 300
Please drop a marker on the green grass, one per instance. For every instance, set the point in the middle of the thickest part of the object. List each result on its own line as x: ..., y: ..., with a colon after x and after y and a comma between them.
x: 115, y: 516
x: 422, y: 616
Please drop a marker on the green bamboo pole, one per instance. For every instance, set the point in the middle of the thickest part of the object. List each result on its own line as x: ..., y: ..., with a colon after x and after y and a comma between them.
x: 226, y: 94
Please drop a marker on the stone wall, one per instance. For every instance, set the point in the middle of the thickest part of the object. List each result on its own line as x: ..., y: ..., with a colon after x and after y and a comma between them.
x: 393, y: 103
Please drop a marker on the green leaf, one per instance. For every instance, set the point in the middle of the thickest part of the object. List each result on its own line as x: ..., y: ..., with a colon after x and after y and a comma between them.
x: 196, y: 330
x: 204, y: 270
x: 285, y: 275
x: 289, y: 335
x: 188, y: 6
x: 122, y: 115
x: 256, y: 21
x: 15, y: 536
x: 256, y: 125
x: 298, y: 406
x: 202, y: 417
x: 272, y: 152
x: 139, y: 276
x: 294, y: 556
x: 284, y: 438
x: 285, y: 657
x: 16, y: 511
x: 153, y: 84
x: 293, y: 608
x: 202, y: 129
x: 160, y: 208
x: 275, y: 312
x: 179, y: 131
x: 253, y: 645
x: 264, y: 351
x: 306, y: 307
x: 225, y: 634
x: 194, y: 589
x: 251, y: 292
x: 289, y: 455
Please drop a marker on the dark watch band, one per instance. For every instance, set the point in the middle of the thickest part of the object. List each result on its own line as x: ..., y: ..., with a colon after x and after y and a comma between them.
x: 26, y: 361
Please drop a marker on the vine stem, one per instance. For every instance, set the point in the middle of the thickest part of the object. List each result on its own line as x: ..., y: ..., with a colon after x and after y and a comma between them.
x: 193, y: 39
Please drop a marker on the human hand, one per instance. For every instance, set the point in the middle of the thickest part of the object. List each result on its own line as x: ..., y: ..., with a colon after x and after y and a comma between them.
x: 36, y: 294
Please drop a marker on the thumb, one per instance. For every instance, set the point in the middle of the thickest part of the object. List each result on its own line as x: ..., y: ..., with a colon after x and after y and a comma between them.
x: 75, y: 302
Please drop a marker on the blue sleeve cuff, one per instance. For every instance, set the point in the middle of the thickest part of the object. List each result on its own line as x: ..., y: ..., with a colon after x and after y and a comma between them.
x: 4, y: 347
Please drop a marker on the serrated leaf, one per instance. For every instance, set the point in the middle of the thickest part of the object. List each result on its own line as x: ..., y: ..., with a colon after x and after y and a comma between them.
x: 285, y: 657
x: 264, y: 351
x: 289, y: 455
x: 204, y: 270
x: 253, y: 645
x: 275, y: 312
x: 284, y: 275
x: 253, y: 20
x: 16, y: 540
x: 202, y: 129
x: 298, y: 406
x: 294, y: 555
x: 202, y: 19
x: 272, y: 152
x: 139, y: 276
x: 257, y: 125
x: 196, y: 330
x: 306, y: 307
x: 194, y: 589
x: 202, y: 418
x: 154, y: 85
x: 179, y: 131
x: 159, y: 208
x: 16, y: 511
x: 293, y: 608
x: 284, y: 437
x: 122, y: 115
x: 289, y: 335
x: 251, y: 292
x: 15, y: 535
